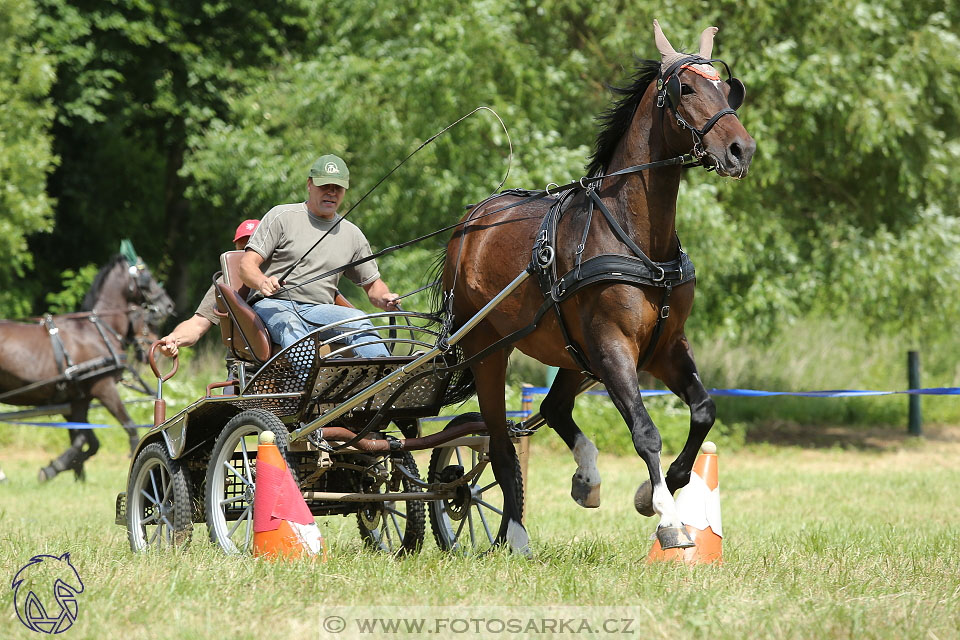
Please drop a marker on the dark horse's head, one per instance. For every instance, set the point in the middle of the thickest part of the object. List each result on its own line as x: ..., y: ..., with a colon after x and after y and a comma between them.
x: 699, y: 107
x: 131, y: 289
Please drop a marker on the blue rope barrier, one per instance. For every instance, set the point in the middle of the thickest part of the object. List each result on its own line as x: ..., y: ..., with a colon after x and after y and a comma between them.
x: 71, y: 425
x: 757, y: 393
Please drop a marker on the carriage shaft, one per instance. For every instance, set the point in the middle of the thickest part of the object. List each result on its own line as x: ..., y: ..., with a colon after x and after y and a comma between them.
x: 427, y: 357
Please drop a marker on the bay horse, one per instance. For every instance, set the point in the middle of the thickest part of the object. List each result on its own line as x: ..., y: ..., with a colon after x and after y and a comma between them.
x: 77, y: 357
x: 613, y: 325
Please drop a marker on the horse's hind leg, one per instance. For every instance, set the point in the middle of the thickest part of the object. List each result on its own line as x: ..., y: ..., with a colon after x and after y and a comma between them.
x: 83, y: 444
x: 620, y: 376
x: 490, y: 375
x: 557, y: 410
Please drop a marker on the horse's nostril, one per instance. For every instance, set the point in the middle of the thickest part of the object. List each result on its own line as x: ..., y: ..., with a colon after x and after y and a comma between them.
x: 736, y: 151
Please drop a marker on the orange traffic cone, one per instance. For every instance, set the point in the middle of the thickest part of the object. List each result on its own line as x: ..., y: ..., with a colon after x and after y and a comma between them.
x: 699, y: 507
x: 282, y: 523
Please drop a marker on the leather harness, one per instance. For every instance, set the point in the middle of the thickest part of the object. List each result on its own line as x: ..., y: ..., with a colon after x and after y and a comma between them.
x: 636, y: 270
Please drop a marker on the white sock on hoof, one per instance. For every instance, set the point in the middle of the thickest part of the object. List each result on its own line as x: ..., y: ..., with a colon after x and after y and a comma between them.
x: 517, y: 538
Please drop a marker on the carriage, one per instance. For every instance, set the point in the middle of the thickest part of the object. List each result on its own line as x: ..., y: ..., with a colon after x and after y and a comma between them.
x: 602, y: 297
x: 347, y: 427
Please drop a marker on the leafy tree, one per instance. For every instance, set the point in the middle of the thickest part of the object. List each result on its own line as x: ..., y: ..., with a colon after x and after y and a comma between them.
x: 26, y: 74
x: 138, y: 83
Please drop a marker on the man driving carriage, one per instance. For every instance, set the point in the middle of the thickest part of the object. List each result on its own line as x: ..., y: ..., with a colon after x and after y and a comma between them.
x: 284, y: 240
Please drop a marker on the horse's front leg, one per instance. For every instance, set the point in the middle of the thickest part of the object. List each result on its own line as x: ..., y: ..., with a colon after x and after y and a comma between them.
x: 557, y: 410
x: 620, y: 376
x: 678, y: 371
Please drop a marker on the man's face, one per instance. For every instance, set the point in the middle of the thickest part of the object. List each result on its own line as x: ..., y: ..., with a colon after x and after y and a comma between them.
x: 324, y: 200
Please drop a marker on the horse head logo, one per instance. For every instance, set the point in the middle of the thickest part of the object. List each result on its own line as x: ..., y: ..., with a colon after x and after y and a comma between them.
x: 39, y: 584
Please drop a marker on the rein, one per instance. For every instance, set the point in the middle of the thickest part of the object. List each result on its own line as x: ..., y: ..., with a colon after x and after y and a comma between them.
x: 529, y: 196
x: 287, y: 273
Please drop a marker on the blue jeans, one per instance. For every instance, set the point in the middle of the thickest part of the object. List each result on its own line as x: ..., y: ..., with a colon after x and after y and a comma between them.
x: 288, y: 321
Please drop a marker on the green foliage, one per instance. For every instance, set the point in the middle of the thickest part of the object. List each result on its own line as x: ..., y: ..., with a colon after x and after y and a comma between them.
x: 75, y: 287
x: 26, y: 73
x: 176, y: 120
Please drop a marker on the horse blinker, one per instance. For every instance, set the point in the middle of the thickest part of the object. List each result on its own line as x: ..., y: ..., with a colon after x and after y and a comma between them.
x: 737, y: 93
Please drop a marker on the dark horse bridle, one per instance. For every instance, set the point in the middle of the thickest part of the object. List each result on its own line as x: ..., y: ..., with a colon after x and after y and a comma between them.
x: 670, y: 92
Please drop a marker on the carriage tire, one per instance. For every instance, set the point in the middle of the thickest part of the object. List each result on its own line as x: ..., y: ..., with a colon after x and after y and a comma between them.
x: 445, y: 528
x: 415, y: 522
x: 170, y: 507
x: 222, y: 484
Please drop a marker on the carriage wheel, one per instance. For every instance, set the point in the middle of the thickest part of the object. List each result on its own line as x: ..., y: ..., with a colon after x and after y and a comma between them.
x: 159, y: 505
x: 470, y: 520
x: 395, y: 527
x: 232, y: 475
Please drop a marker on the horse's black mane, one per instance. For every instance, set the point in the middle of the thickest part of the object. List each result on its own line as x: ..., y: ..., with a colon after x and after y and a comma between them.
x: 91, y: 298
x: 615, y: 121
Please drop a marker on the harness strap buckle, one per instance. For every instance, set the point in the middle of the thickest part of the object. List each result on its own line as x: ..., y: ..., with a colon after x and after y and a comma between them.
x: 663, y: 274
x: 665, y: 312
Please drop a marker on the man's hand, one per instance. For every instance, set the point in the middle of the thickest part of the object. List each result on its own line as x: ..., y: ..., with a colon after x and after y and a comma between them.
x: 381, y: 296
x: 170, y: 346
x: 269, y: 286
x: 388, y: 302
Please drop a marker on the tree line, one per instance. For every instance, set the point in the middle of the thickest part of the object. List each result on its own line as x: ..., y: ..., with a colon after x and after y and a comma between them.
x: 170, y: 121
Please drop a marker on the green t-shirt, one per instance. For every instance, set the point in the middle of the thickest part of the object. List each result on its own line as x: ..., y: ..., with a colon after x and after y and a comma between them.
x: 287, y: 231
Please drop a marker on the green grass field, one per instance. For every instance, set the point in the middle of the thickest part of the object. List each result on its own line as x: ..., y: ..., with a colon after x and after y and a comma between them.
x: 835, y: 542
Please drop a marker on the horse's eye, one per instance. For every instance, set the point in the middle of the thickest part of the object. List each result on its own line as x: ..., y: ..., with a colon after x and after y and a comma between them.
x: 686, y: 90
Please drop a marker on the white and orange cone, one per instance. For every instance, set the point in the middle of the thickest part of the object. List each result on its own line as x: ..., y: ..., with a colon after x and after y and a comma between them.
x: 282, y: 523
x: 699, y: 507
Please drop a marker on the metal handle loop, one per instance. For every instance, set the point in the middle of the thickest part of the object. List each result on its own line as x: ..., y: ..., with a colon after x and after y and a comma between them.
x: 156, y: 369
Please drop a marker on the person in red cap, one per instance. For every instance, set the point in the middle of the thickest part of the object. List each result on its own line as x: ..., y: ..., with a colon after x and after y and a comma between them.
x: 189, y: 331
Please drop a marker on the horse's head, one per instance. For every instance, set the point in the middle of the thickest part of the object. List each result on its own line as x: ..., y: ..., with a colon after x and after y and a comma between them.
x: 699, y: 107
x: 149, y: 307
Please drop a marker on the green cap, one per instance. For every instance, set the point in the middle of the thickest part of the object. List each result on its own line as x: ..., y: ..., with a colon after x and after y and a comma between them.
x: 330, y: 169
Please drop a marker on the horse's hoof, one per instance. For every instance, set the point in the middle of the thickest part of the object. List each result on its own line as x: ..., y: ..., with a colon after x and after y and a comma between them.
x: 674, y: 538
x: 45, y: 474
x: 585, y: 495
x: 79, y: 475
x: 643, y: 500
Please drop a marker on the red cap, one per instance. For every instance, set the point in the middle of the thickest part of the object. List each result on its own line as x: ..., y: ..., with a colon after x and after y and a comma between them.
x: 246, y: 229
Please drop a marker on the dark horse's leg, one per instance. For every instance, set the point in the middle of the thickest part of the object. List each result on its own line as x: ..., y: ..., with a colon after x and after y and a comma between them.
x: 557, y: 410
x: 619, y: 373
x: 105, y: 390
x: 490, y: 375
x: 679, y: 373
x: 83, y: 444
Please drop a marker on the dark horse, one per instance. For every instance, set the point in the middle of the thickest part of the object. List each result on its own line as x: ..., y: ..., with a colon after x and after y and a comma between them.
x: 77, y: 357
x: 613, y: 327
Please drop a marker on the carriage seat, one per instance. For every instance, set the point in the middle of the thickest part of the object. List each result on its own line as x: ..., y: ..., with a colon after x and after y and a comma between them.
x: 241, y: 329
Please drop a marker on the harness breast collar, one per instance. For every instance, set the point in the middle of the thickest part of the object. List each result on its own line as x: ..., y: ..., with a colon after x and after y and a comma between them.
x: 637, y: 270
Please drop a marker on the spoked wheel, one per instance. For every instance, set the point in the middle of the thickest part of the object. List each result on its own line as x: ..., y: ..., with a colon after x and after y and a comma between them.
x: 395, y: 527
x: 159, y: 505
x: 470, y: 520
x: 232, y: 476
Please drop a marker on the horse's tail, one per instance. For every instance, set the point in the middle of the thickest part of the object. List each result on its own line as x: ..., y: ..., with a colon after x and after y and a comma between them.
x: 462, y: 385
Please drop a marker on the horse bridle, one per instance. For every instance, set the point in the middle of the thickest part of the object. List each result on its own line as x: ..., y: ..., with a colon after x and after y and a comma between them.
x: 669, y: 91
x: 140, y: 285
